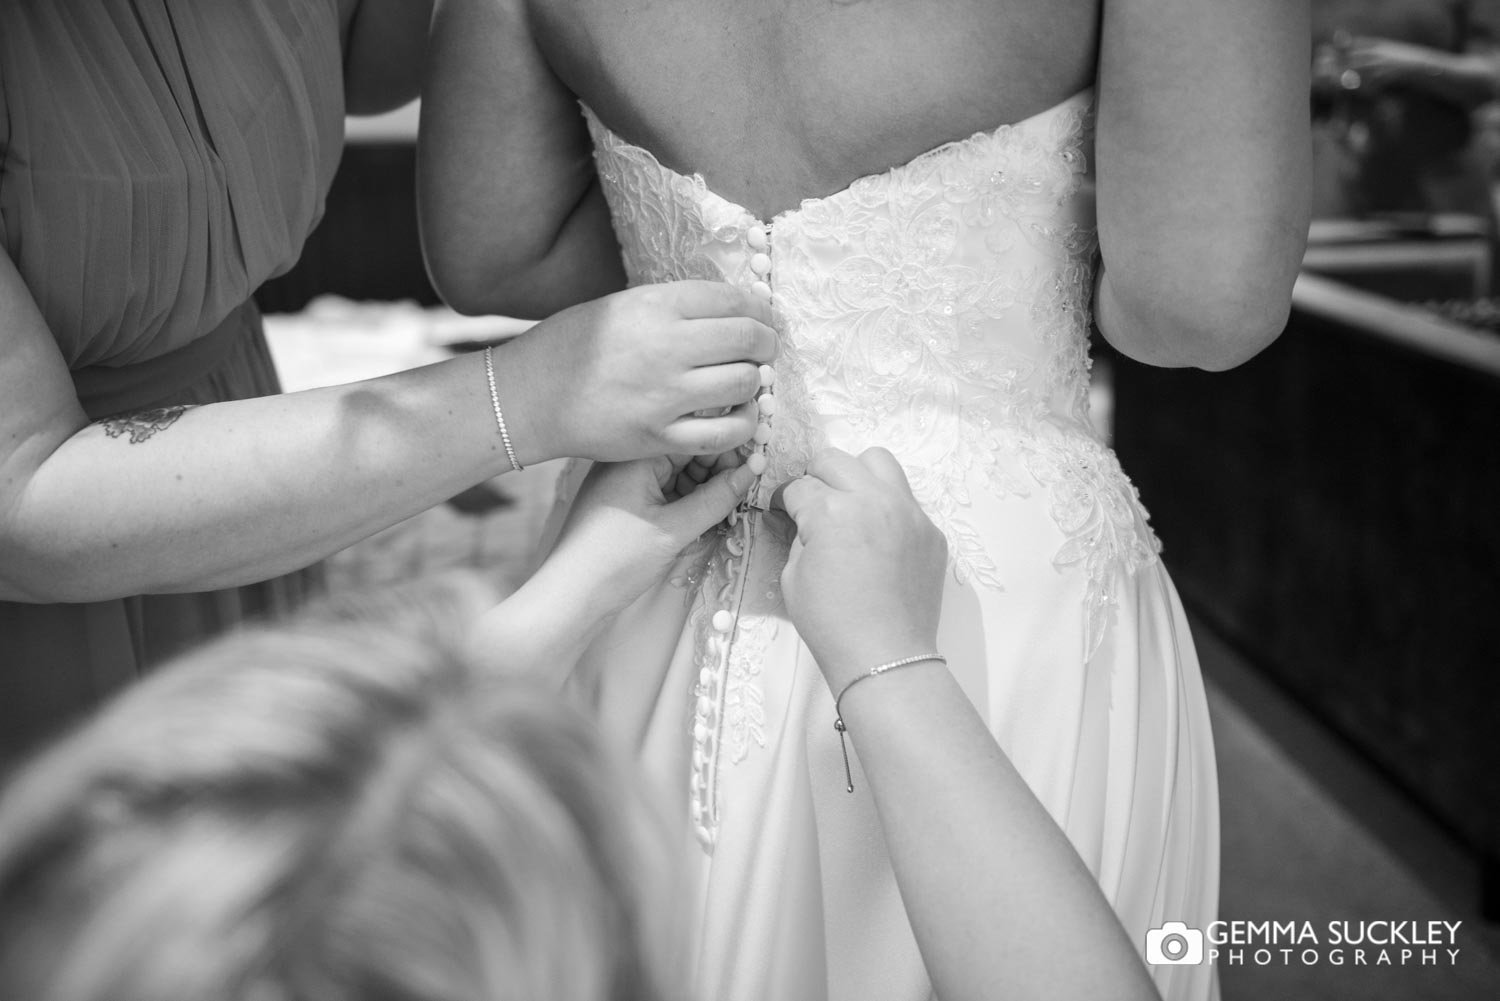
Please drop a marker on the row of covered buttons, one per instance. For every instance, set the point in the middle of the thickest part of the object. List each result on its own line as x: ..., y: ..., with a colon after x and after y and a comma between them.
x: 760, y: 264
x: 709, y: 705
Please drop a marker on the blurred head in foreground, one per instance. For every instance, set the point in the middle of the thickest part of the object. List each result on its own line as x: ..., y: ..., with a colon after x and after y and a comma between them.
x: 341, y: 809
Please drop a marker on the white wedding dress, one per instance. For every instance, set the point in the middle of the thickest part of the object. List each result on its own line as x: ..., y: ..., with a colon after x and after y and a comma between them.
x: 941, y: 310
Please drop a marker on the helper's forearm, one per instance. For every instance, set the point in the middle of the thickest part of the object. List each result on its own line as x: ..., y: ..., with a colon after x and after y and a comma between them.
x: 544, y: 627
x: 236, y: 492
x: 1001, y: 904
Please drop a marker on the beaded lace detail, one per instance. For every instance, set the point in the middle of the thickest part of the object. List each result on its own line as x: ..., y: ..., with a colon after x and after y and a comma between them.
x: 939, y: 309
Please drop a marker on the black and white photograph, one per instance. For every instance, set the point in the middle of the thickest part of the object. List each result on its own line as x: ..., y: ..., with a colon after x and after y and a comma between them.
x: 797, y: 500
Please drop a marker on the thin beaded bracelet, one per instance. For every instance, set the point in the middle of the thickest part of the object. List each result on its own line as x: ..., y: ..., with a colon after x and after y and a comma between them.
x: 838, y: 713
x: 489, y: 375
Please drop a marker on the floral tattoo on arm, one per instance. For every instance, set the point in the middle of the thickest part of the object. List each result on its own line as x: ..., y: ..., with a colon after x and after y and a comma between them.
x: 143, y: 425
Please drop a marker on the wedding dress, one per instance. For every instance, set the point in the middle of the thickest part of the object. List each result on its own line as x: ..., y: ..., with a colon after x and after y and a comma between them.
x: 941, y: 310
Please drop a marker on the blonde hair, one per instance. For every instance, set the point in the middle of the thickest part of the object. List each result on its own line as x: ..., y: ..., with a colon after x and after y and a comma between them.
x: 342, y: 809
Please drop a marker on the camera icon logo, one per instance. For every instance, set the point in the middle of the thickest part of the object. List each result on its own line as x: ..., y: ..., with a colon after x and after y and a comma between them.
x: 1174, y: 944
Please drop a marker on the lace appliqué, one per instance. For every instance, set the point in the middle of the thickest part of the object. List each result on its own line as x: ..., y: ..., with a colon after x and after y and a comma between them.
x: 744, y: 700
x: 898, y: 336
x: 665, y: 221
x: 1099, y: 510
x: 939, y: 309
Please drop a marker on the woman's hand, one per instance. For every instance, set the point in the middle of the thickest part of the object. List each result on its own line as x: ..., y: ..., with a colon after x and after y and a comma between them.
x: 864, y: 582
x: 700, y: 468
x: 631, y: 520
x: 626, y: 528
x: 621, y: 377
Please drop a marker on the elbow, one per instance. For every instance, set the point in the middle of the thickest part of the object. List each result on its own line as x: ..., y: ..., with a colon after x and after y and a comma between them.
x: 467, y: 288
x: 489, y: 281
x: 1231, y: 337
x: 527, y: 289
x: 39, y: 568
x: 491, y: 297
x: 476, y: 277
x: 471, y: 298
x: 48, y: 582
x: 1206, y: 324
x: 76, y: 576
x: 1211, y: 336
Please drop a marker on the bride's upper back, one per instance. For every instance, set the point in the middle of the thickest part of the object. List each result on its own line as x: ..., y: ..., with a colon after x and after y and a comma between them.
x: 778, y: 100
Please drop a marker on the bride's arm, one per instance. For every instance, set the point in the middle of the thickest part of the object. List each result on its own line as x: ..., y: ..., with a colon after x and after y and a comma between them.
x: 513, y: 220
x: 1204, y: 161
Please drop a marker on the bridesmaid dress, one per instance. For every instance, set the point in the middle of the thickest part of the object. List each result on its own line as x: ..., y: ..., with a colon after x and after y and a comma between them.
x: 159, y: 160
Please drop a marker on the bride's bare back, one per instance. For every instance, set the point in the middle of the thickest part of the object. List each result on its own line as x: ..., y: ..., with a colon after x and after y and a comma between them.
x: 785, y: 99
x: 1201, y: 140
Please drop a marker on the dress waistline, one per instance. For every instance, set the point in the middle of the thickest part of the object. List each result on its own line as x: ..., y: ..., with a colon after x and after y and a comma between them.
x: 105, y: 390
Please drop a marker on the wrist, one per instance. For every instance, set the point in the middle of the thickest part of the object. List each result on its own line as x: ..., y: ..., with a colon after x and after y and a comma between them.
x: 523, y: 384
x: 596, y: 573
x: 901, y: 700
x: 852, y: 660
x: 542, y: 629
x: 907, y: 663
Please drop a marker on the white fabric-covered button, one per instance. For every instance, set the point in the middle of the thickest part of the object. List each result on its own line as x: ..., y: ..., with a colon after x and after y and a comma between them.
x: 756, y: 462
x: 767, y: 376
x: 723, y: 620
x: 767, y: 404
x: 762, y: 433
x: 761, y: 289
x: 757, y: 238
x: 760, y: 264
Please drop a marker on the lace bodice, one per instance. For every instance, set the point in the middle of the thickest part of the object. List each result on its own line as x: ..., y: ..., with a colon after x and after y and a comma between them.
x: 940, y: 309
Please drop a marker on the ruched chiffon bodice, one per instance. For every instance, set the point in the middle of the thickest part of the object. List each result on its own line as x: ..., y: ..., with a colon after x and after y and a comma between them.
x: 941, y: 310
x: 159, y: 160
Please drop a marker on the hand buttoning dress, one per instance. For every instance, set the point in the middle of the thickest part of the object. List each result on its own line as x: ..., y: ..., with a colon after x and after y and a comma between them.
x: 940, y: 310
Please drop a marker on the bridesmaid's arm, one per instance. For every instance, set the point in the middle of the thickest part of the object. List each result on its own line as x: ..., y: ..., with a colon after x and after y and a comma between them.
x: 999, y: 901
x: 624, y: 531
x: 513, y: 219
x: 232, y: 493
x: 1204, y: 163
x: 384, y: 42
